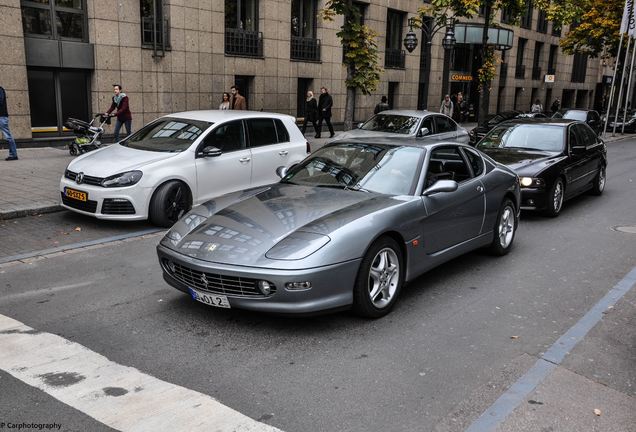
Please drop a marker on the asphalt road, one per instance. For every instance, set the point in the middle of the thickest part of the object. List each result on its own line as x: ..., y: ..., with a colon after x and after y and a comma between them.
x: 435, y: 363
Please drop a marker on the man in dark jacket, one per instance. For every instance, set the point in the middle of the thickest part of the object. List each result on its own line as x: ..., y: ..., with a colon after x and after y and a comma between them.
x: 325, y: 102
x: 121, y: 110
x: 4, y: 126
x: 382, y: 106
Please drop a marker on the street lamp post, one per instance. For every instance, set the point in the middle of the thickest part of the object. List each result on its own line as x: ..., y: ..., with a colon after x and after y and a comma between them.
x: 410, y: 40
x: 449, y: 44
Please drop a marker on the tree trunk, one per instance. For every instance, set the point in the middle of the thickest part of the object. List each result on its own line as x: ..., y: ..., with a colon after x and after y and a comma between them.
x: 350, y: 101
x: 484, y: 99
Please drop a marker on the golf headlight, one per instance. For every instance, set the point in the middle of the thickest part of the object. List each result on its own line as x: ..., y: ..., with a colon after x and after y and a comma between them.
x: 297, y: 246
x: 531, y: 182
x: 123, y: 179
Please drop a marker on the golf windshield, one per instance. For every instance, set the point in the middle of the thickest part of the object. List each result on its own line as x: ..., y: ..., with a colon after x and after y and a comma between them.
x: 540, y: 137
x: 167, y: 135
x: 385, y: 169
x: 392, y: 123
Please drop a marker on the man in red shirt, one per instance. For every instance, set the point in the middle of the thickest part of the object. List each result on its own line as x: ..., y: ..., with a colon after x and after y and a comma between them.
x: 121, y: 111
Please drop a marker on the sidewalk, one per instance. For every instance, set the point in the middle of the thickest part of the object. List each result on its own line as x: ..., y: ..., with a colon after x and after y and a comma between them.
x: 30, y: 184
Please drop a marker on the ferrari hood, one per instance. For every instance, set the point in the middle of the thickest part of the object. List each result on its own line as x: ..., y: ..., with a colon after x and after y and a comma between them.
x: 115, y: 159
x: 243, y: 232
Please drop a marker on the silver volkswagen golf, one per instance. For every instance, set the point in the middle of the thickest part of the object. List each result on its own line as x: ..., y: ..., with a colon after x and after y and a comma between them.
x: 345, y: 228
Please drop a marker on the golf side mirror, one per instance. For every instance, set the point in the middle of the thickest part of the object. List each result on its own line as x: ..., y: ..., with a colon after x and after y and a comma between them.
x: 210, y: 151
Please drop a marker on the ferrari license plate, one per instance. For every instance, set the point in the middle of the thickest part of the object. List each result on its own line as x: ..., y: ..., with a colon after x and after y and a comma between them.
x: 75, y: 194
x: 210, y: 299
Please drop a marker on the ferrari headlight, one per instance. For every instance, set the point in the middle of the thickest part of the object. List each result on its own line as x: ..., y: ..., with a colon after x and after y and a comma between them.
x: 531, y: 182
x: 123, y: 179
x: 297, y: 246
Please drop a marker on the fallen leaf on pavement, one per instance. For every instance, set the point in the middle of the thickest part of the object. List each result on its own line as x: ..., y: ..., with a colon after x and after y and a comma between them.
x: 597, y: 411
x: 514, y: 337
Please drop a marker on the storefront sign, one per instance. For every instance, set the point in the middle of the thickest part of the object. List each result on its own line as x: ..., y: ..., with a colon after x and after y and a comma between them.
x: 549, y: 78
x: 459, y: 77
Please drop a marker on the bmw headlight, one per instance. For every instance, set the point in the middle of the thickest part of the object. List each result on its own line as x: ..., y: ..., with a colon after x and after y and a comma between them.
x: 122, y: 179
x: 297, y: 246
x: 531, y: 182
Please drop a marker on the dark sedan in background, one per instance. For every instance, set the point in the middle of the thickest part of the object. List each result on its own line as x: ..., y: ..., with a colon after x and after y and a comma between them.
x: 346, y: 227
x: 556, y: 159
x: 479, y: 132
x: 591, y: 117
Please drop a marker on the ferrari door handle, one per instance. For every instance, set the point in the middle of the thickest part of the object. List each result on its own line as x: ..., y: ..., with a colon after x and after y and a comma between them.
x: 283, y: 152
x: 480, y: 188
x: 245, y: 160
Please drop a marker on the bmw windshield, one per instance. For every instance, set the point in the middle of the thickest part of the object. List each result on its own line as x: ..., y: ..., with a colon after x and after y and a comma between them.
x: 531, y: 137
x: 377, y: 168
x: 392, y: 123
x: 167, y: 135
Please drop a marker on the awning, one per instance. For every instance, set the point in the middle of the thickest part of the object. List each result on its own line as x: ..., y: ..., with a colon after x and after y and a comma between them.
x: 471, y: 33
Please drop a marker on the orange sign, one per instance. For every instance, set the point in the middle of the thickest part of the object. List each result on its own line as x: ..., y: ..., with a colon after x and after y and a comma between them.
x: 460, y: 77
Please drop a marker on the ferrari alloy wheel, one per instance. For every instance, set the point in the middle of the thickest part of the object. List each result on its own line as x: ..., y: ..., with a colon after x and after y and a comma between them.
x: 379, y: 279
x: 555, y: 198
x: 505, y: 228
x: 599, y: 182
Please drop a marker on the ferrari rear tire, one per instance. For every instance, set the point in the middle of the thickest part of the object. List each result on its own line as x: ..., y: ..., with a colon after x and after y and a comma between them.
x: 380, y: 279
x: 505, y: 229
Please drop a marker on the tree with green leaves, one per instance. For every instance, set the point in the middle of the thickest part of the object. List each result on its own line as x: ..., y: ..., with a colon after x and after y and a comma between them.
x: 441, y: 10
x: 597, y: 24
x: 360, y: 52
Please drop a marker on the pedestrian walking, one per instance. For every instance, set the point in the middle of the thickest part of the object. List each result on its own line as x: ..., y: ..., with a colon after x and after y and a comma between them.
x: 460, y: 107
x: 556, y: 105
x: 447, y: 106
x: 238, y: 102
x: 225, y: 102
x: 4, y: 126
x: 325, y: 102
x: 536, y: 107
x: 311, y: 112
x: 121, y: 110
x: 382, y: 106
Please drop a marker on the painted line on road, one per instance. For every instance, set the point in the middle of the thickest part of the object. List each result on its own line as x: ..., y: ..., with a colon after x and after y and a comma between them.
x: 118, y: 396
x: 79, y: 245
x: 517, y: 393
x: 45, y: 291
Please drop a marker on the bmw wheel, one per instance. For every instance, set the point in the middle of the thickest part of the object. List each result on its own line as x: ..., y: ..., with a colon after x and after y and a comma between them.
x: 505, y: 229
x: 555, y: 198
x: 599, y: 182
x: 170, y: 201
x: 380, y: 279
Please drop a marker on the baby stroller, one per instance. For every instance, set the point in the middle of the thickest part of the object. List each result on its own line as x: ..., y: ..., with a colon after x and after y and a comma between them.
x: 87, y: 135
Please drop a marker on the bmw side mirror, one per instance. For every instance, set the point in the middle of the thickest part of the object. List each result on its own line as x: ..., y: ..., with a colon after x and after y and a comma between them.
x: 441, y: 186
x: 577, y: 150
x: 281, y: 171
x: 423, y: 132
x: 210, y: 151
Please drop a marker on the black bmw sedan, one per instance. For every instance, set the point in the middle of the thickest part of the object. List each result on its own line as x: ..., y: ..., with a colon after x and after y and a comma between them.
x: 555, y: 159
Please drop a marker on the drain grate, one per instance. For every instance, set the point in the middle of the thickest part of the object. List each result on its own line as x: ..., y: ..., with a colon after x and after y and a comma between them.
x: 629, y: 229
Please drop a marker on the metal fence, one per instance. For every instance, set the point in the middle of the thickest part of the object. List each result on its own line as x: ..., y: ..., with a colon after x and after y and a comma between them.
x: 307, y: 49
x: 243, y: 43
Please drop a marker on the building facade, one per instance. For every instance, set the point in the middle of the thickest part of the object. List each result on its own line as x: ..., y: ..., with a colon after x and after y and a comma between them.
x: 61, y: 58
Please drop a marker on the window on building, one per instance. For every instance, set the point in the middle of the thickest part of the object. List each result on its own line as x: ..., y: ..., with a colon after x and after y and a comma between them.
x: 460, y: 61
x: 55, y: 19
x: 554, y: 50
x: 526, y: 19
x: 542, y: 22
x: 154, y: 25
x: 392, y: 94
x: 242, y: 37
x: 520, y: 69
x: 536, y: 61
x: 506, y: 16
x: 394, y: 55
x: 579, y: 68
x: 556, y: 29
x: 304, y: 45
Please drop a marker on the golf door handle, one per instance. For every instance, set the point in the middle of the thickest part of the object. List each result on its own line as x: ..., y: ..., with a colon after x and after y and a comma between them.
x: 245, y: 160
x: 480, y: 188
x: 283, y: 152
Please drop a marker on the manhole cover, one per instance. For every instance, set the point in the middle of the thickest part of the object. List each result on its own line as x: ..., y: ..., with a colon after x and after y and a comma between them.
x: 630, y: 229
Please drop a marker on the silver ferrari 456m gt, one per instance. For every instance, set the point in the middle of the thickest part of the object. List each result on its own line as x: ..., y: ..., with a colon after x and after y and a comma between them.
x: 345, y: 228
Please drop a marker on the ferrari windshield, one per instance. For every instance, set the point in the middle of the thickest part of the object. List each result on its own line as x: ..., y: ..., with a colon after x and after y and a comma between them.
x: 377, y: 168
x: 167, y: 135
x: 540, y: 137
x: 392, y: 123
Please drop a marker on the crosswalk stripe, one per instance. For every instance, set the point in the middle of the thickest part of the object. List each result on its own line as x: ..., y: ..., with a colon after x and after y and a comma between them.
x: 118, y: 396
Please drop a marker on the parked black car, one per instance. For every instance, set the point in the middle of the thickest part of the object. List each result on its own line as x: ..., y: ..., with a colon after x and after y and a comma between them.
x: 555, y: 159
x: 630, y: 123
x: 591, y: 117
x: 479, y: 132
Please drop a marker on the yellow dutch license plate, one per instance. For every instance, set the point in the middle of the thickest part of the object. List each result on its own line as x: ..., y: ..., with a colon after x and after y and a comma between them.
x: 75, y: 194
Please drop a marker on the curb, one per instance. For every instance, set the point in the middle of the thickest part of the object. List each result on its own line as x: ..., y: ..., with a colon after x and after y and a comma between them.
x: 29, y: 212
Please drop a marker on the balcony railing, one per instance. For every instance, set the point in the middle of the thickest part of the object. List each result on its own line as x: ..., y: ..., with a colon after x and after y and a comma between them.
x: 305, y: 49
x: 520, y: 72
x: 536, y: 73
x: 394, y: 58
x: 503, y: 73
x: 243, y: 43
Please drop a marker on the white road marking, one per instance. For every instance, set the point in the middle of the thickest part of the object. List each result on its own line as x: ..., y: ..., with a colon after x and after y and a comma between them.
x: 39, y: 292
x: 118, y: 396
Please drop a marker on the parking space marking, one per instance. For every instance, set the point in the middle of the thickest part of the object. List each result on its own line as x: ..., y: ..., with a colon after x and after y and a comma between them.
x: 118, y: 396
x: 517, y: 393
